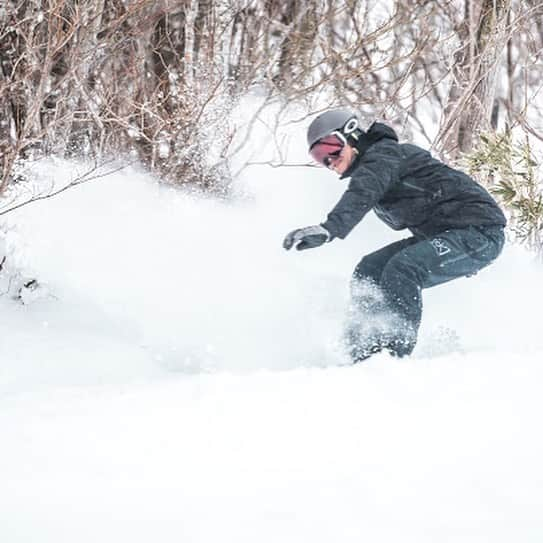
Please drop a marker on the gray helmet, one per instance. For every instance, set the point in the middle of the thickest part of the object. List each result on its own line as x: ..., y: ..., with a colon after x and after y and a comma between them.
x: 329, y: 121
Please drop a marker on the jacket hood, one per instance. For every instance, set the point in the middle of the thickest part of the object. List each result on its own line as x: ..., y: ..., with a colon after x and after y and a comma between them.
x: 379, y: 130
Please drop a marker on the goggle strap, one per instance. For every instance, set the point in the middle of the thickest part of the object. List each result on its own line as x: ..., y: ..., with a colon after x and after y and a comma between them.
x: 340, y: 136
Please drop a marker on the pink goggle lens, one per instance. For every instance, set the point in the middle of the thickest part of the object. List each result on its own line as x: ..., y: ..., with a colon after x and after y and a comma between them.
x: 326, y: 149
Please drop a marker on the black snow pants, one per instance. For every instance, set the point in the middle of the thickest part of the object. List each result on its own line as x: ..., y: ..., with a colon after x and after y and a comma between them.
x: 386, y: 301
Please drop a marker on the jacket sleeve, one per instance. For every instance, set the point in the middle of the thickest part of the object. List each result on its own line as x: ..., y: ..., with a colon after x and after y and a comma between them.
x: 375, y: 173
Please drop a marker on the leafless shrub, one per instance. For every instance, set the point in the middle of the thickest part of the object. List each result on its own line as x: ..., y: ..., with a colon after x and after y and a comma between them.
x: 100, y: 77
x: 155, y: 80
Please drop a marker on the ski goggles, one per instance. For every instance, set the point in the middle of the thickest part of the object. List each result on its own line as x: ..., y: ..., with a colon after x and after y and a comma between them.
x: 328, y: 149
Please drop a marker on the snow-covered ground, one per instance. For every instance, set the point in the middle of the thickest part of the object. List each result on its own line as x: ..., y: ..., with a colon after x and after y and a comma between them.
x: 182, y: 381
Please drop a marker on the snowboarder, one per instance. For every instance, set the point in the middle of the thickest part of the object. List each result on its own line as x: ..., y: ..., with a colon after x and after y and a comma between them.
x: 457, y: 228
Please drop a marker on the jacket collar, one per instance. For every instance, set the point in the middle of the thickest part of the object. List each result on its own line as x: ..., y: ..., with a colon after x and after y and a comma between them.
x: 376, y: 132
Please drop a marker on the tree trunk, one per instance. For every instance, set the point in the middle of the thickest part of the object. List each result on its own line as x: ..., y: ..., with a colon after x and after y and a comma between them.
x: 472, y: 91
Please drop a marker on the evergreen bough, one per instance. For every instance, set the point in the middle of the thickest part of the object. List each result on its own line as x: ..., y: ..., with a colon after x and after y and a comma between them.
x: 512, y: 173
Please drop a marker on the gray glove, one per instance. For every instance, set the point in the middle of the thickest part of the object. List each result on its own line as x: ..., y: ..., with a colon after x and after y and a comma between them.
x: 306, y: 238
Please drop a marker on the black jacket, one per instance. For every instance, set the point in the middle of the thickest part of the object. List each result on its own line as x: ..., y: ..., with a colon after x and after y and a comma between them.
x: 408, y: 188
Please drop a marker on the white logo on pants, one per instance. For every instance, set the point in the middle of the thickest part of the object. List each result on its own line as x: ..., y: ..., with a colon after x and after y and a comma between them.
x: 440, y: 246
